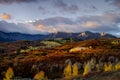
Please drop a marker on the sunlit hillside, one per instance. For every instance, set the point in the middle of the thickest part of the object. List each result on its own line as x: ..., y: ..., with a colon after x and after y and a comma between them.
x: 61, y: 61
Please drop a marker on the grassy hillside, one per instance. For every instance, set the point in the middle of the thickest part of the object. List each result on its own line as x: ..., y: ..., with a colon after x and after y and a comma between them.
x: 27, y: 58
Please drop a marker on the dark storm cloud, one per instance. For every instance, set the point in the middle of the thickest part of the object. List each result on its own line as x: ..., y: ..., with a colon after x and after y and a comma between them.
x: 15, y: 1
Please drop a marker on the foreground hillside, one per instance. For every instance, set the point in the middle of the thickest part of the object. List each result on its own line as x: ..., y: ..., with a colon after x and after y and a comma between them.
x: 58, y: 57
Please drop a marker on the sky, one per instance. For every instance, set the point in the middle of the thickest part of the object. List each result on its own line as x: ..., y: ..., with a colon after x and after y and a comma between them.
x: 47, y: 16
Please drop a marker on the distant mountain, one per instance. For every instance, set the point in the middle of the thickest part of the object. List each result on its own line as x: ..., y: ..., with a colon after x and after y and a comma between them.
x: 6, y: 37
x: 81, y: 35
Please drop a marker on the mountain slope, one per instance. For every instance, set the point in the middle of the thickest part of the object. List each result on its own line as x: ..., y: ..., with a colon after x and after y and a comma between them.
x: 81, y: 35
x: 18, y: 36
x: 6, y: 37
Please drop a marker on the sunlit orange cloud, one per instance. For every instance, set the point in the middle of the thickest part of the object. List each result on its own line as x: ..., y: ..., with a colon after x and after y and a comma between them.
x: 41, y: 27
x: 5, y: 16
x: 44, y: 28
x: 51, y: 29
x: 91, y: 24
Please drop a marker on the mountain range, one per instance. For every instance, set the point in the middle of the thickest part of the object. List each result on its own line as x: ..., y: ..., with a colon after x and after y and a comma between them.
x: 14, y: 36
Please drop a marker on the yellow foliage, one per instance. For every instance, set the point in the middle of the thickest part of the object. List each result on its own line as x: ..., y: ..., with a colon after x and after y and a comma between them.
x: 40, y: 76
x: 68, y: 71
x: 5, y: 79
x: 98, y: 67
x: 108, y: 67
x: 87, y: 68
x: 75, y: 70
x: 117, y: 66
x: 9, y: 74
x: 22, y: 51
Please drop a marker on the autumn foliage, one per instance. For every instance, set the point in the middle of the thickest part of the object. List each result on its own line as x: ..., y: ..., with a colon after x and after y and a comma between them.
x: 9, y: 74
x: 40, y: 76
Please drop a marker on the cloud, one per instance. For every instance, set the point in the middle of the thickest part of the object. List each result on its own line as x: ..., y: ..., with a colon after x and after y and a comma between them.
x: 54, y: 21
x: 114, y: 2
x: 41, y: 8
x: 5, y: 16
x: 15, y: 1
x: 117, y: 3
x: 55, y: 24
x: 58, y: 28
x: 93, y: 7
x: 45, y: 29
x: 60, y: 4
x: 64, y: 7
x: 91, y: 24
x: 20, y: 27
x: 73, y: 8
x: 107, y: 22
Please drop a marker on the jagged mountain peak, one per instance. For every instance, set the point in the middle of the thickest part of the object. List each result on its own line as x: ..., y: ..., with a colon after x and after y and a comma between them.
x: 102, y: 33
x: 80, y: 36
